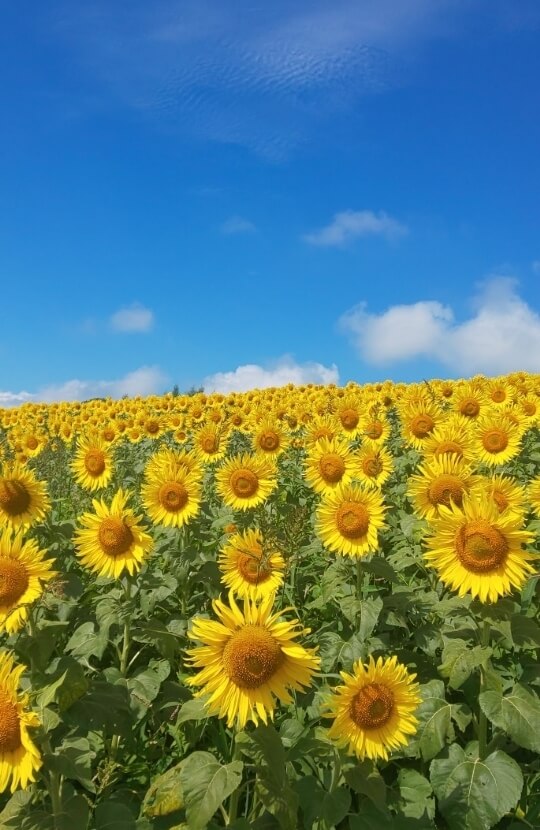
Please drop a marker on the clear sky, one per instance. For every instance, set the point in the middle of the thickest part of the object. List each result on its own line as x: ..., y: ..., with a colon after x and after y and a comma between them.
x: 233, y: 193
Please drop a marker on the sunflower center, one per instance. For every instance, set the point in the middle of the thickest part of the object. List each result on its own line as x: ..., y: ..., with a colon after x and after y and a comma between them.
x: 252, y: 570
x: 173, y: 496
x: 251, y: 657
x: 13, y: 580
x: 269, y: 440
x: 499, y: 395
x: 352, y: 520
x: 244, y: 483
x: 10, y: 727
x: 349, y: 418
x: 108, y: 434
x: 32, y: 443
x: 372, y: 706
x: 115, y: 536
x: 495, y: 440
x: 372, y: 466
x: 529, y: 408
x: 446, y: 487
x: 500, y: 500
x: 469, y: 407
x: 14, y: 497
x: 94, y: 461
x: 374, y: 430
x: 332, y: 467
x: 480, y: 547
x: 422, y: 424
x: 152, y: 426
x: 209, y: 444
x: 449, y: 447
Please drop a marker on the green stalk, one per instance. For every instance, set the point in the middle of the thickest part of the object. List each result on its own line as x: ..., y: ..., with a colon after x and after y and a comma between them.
x: 124, y: 658
x: 54, y: 788
x: 482, y: 720
x: 359, y: 576
x: 235, y: 796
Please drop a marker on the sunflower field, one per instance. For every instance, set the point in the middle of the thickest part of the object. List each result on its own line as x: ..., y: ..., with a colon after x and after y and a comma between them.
x: 299, y: 607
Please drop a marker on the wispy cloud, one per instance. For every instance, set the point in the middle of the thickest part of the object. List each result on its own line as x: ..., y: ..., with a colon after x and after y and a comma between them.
x: 503, y: 334
x: 237, y: 225
x: 241, y: 73
x: 134, y: 319
x: 279, y: 373
x: 147, y: 380
x: 353, y: 224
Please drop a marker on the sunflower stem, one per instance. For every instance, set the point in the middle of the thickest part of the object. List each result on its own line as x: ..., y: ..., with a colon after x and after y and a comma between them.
x: 482, y: 720
x: 55, y: 788
x: 359, y: 577
x: 233, y: 801
x: 124, y: 661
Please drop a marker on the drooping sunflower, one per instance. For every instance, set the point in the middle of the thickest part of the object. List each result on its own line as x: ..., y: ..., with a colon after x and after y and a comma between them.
x: 111, y: 539
x: 374, y: 710
x: 19, y: 758
x: 23, y: 573
x: 496, y: 439
x: 23, y: 498
x: 247, y: 659
x: 330, y: 463
x: 171, y: 496
x: 440, y: 480
x: 92, y: 463
x: 349, y: 518
x: 270, y: 437
x: 248, y: 568
x: 477, y: 550
x: 246, y: 480
x: 375, y: 464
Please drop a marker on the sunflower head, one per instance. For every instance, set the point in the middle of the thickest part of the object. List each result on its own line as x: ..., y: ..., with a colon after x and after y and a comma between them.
x: 19, y: 758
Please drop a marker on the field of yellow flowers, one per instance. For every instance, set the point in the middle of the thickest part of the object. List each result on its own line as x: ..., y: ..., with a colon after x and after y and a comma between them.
x: 300, y: 607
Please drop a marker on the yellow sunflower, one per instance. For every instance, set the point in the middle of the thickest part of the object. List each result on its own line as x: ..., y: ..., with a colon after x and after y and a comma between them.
x: 19, y: 758
x: 348, y: 412
x: 330, y: 463
x: 92, y: 463
x: 496, y: 439
x: 323, y: 426
x: 469, y: 400
x: 418, y: 420
x: 506, y: 492
x: 348, y: 520
x: 210, y: 442
x: 533, y: 494
x: 375, y: 464
x: 247, y: 660
x: 171, y: 496
x: 478, y: 550
x: 23, y: 573
x: 453, y: 436
x: 111, y: 540
x: 184, y: 460
x: 375, y: 428
x: 248, y: 568
x: 374, y: 710
x: 246, y: 480
x: 270, y: 438
x: 440, y: 480
x: 23, y: 499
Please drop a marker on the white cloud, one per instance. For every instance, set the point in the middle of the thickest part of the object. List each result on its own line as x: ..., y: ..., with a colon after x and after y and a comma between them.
x: 353, y: 224
x: 282, y: 372
x: 503, y: 335
x: 148, y: 380
x: 236, y: 224
x: 136, y: 318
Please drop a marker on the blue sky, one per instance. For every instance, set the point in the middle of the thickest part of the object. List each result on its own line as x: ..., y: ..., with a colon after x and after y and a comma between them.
x: 232, y: 194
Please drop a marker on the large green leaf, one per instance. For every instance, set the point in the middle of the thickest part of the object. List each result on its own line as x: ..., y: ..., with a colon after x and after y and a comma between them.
x: 474, y: 794
x: 460, y: 661
x: 165, y: 794
x: 206, y: 784
x: 273, y: 787
x: 517, y: 713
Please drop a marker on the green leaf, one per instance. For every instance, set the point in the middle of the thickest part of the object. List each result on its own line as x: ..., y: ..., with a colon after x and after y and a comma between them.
x: 165, y: 794
x: 434, y: 716
x: 104, y: 707
x: 206, y: 784
x: 273, y: 788
x: 17, y: 805
x: 194, y: 709
x: 416, y: 794
x: 525, y: 631
x: 73, y: 760
x: 311, y: 796
x: 517, y: 713
x: 144, y: 686
x: 460, y: 661
x: 86, y: 642
x: 335, y: 806
x: 365, y: 778
x: 113, y: 815
x: 474, y: 794
x: 370, y: 610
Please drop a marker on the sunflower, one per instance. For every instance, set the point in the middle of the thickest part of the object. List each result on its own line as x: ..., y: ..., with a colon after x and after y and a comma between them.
x: 270, y: 438
x: 533, y: 495
x: 440, y: 480
x: 349, y: 414
x: 496, y: 439
x: 23, y: 572
x: 469, y: 400
x: 184, y: 460
x: 246, y: 480
x: 210, y: 442
x: 111, y: 539
x: 92, y: 463
x: 478, y: 550
x: 451, y: 437
x: 23, y: 499
x: 19, y: 758
x: 418, y: 420
x: 348, y: 520
x: 506, y: 492
x: 375, y: 464
x: 171, y: 496
x: 373, y: 711
x: 248, y: 568
x: 247, y: 660
x: 375, y: 429
x: 323, y: 426
x: 330, y: 463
